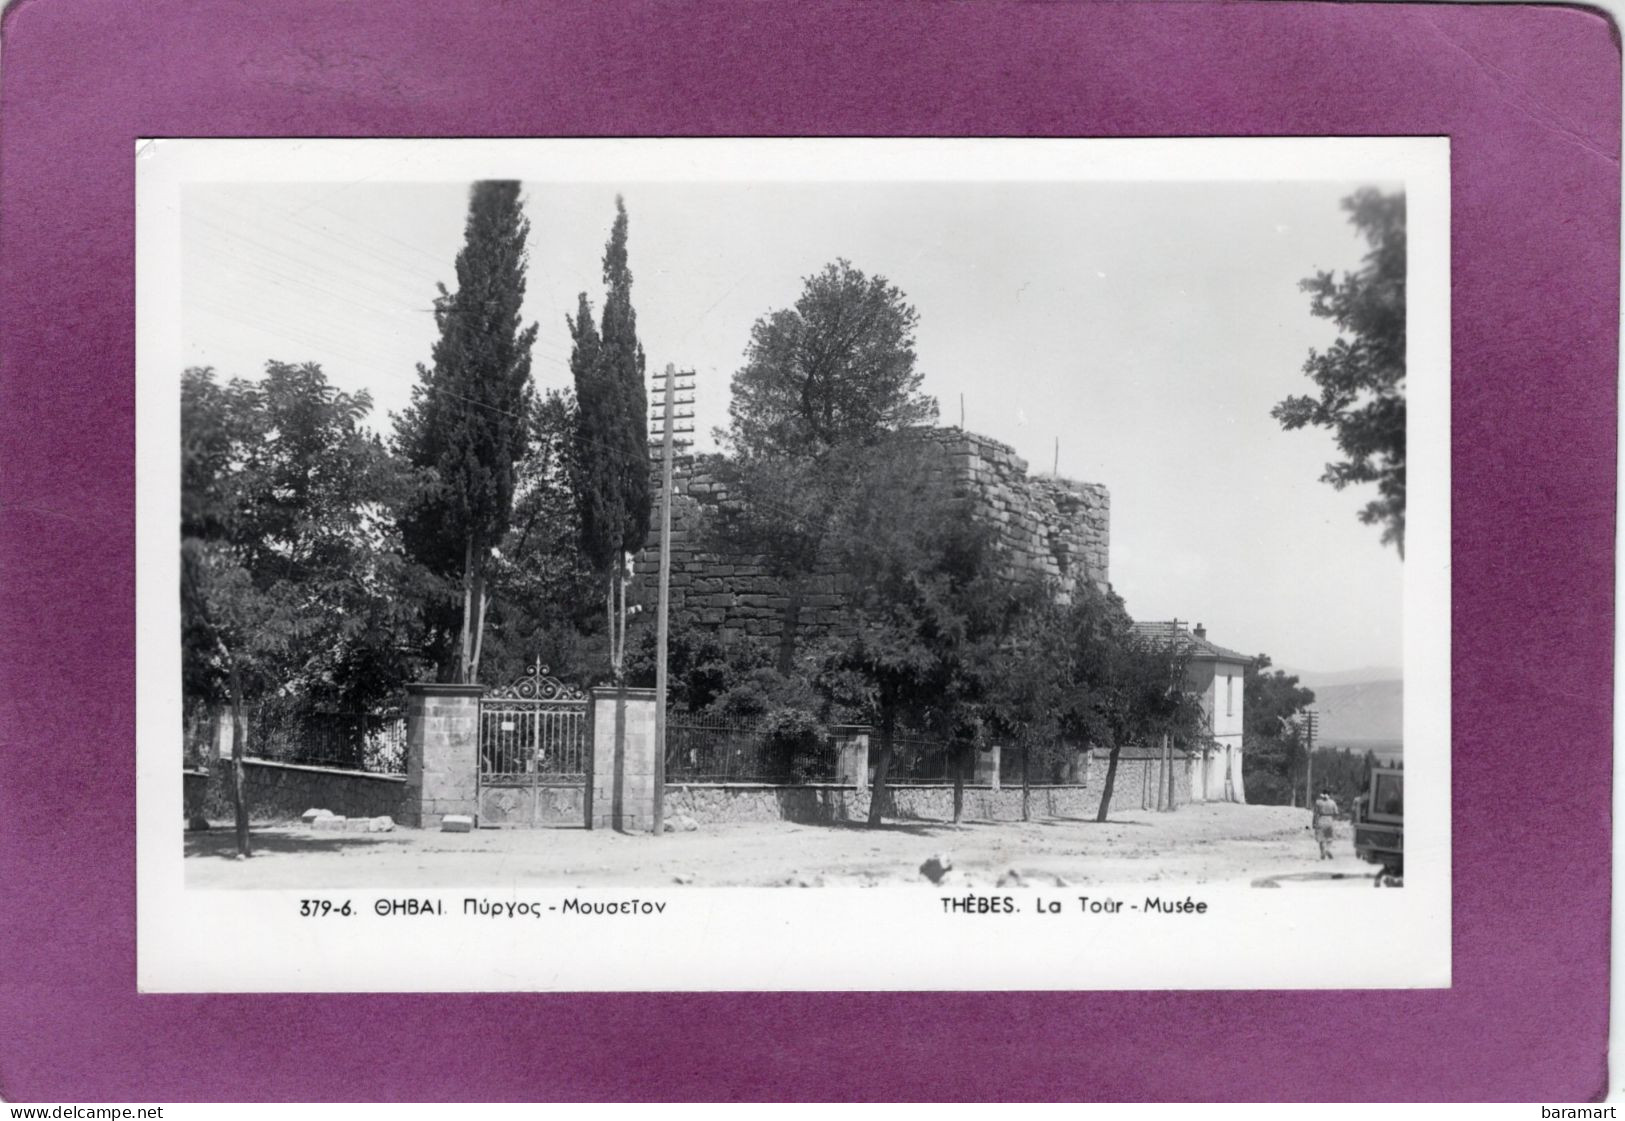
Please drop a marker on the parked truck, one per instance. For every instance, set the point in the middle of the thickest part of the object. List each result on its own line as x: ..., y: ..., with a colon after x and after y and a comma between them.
x: 1379, y: 821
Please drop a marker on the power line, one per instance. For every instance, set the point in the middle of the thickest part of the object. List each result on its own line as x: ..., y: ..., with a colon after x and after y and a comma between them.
x: 321, y: 264
x: 326, y: 236
x: 395, y: 267
x: 272, y: 325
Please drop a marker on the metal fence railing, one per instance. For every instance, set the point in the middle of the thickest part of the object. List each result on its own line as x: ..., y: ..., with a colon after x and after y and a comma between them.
x: 916, y: 760
x: 1049, y: 766
x: 527, y: 739
x: 374, y: 741
x: 710, y: 749
x: 716, y: 749
x: 197, y: 739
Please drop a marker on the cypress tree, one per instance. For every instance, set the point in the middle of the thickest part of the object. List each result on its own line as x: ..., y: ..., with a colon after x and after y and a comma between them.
x: 467, y: 423
x: 612, y: 439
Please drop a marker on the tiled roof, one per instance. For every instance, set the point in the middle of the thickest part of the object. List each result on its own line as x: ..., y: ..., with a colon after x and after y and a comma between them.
x: 1188, y: 642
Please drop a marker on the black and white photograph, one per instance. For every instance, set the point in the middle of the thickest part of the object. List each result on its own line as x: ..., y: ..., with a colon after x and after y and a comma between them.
x: 1027, y: 544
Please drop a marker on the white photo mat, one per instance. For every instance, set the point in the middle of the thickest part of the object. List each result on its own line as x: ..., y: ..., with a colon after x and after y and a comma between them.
x: 775, y: 938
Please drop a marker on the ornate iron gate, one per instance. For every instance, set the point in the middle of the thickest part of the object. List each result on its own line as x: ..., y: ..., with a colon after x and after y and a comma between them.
x: 534, y: 753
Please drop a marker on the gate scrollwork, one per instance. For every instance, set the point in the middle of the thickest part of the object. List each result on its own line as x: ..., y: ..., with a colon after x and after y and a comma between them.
x: 536, y: 685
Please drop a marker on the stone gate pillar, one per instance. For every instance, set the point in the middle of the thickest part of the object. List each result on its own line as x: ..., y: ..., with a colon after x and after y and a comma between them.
x: 851, y: 754
x: 987, y: 767
x: 442, y: 753
x: 1077, y: 767
x: 621, y: 783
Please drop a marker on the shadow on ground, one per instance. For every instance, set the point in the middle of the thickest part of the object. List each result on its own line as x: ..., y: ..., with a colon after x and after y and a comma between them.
x: 223, y: 842
x: 913, y: 828
x: 1090, y: 821
x: 1315, y: 877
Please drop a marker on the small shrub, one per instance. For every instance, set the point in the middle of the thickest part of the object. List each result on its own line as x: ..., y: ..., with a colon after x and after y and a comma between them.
x: 795, y: 736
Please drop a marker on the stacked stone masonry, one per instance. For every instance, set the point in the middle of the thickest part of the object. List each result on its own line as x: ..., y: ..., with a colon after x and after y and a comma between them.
x: 279, y: 792
x: 621, y: 784
x: 716, y: 805
x: 442, y: 733
x: 1054, y: 527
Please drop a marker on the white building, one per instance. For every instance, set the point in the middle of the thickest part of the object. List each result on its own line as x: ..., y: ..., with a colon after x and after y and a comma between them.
x: 1215, y: 674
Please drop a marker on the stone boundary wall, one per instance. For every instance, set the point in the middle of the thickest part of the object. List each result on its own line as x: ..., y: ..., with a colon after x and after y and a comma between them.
x: 1054, y: 527
x: 1135, y: 787
x: 195, y: 783
x: 813, y: 804
x: 280, y: 792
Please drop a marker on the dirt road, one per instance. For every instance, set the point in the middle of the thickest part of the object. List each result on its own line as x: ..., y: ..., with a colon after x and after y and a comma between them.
x: 1197, y: 844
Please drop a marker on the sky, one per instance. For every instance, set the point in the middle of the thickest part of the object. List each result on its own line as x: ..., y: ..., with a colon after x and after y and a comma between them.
x: 1145, y: 328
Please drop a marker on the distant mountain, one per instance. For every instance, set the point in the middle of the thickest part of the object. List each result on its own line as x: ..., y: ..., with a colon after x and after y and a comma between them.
x: 1359, y: 708
x: 1314, y: 679
x: 1363, y: 714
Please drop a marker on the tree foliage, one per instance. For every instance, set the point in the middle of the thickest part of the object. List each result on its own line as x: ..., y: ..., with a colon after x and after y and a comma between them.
x: 1271, y: 699
x: 466, y: 426
x: 932, y: 603
x: 1117, y: 687
x: 822, y: 380
x: 1273, y: 747
x: 1361, y: 377
x: 1026, y: 684
x: 543, y: 588
x: 836, y: 369
x: 611, y: 464
x: 289, y: 560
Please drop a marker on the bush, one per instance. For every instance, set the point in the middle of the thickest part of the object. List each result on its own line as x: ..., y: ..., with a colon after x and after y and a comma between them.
x: 758, y: 690
x: 795, y: 736
x: 701, y: 669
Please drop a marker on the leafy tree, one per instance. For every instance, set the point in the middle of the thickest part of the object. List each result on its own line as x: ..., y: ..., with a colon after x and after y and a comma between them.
x: 931, y: 603
x: 706, y: 675
x: 467, y: 423
x: 1271, y: 699
x: 612, y: 439
x: 1271, y: 742
x: 1027, y: 687
x: 835, y: 370
x: 289, y: 563
x: 1362, y: 376
x: 832, y: 374
x: 542, y: 585
x: 1117, y: 687
x: 1344, y: 772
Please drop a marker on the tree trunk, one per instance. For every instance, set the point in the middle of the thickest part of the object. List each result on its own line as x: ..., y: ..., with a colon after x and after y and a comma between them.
x: 961, y: 753
x: 1026, y: 781
x: 609, y: 630
x: 620, y: 628
x: 1168, y: 749
x: 239, y: 746
x: 463, y: 648
x: 877, y: 792
x: 789, y: 625
x: 1151, y: 785
x: 481, y: 598
x: 1111, y: 779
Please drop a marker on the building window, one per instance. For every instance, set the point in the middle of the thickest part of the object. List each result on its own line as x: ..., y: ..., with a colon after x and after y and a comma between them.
x: 1229, y: 694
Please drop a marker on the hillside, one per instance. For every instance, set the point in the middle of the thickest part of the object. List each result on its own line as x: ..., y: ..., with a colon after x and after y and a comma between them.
x: 1358, y: 713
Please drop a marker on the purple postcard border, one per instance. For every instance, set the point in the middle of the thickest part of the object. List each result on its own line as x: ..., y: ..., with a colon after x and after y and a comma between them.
x: 1530, y: 99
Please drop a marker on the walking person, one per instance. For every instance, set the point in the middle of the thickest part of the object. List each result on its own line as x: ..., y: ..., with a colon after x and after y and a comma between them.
x: 1325, y: 813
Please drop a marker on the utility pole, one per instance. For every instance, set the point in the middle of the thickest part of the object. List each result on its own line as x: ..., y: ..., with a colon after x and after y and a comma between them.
x: 1165, y: 753
x: 1173, y: 683
x: 668, y: 445
x: 1310, y: 718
